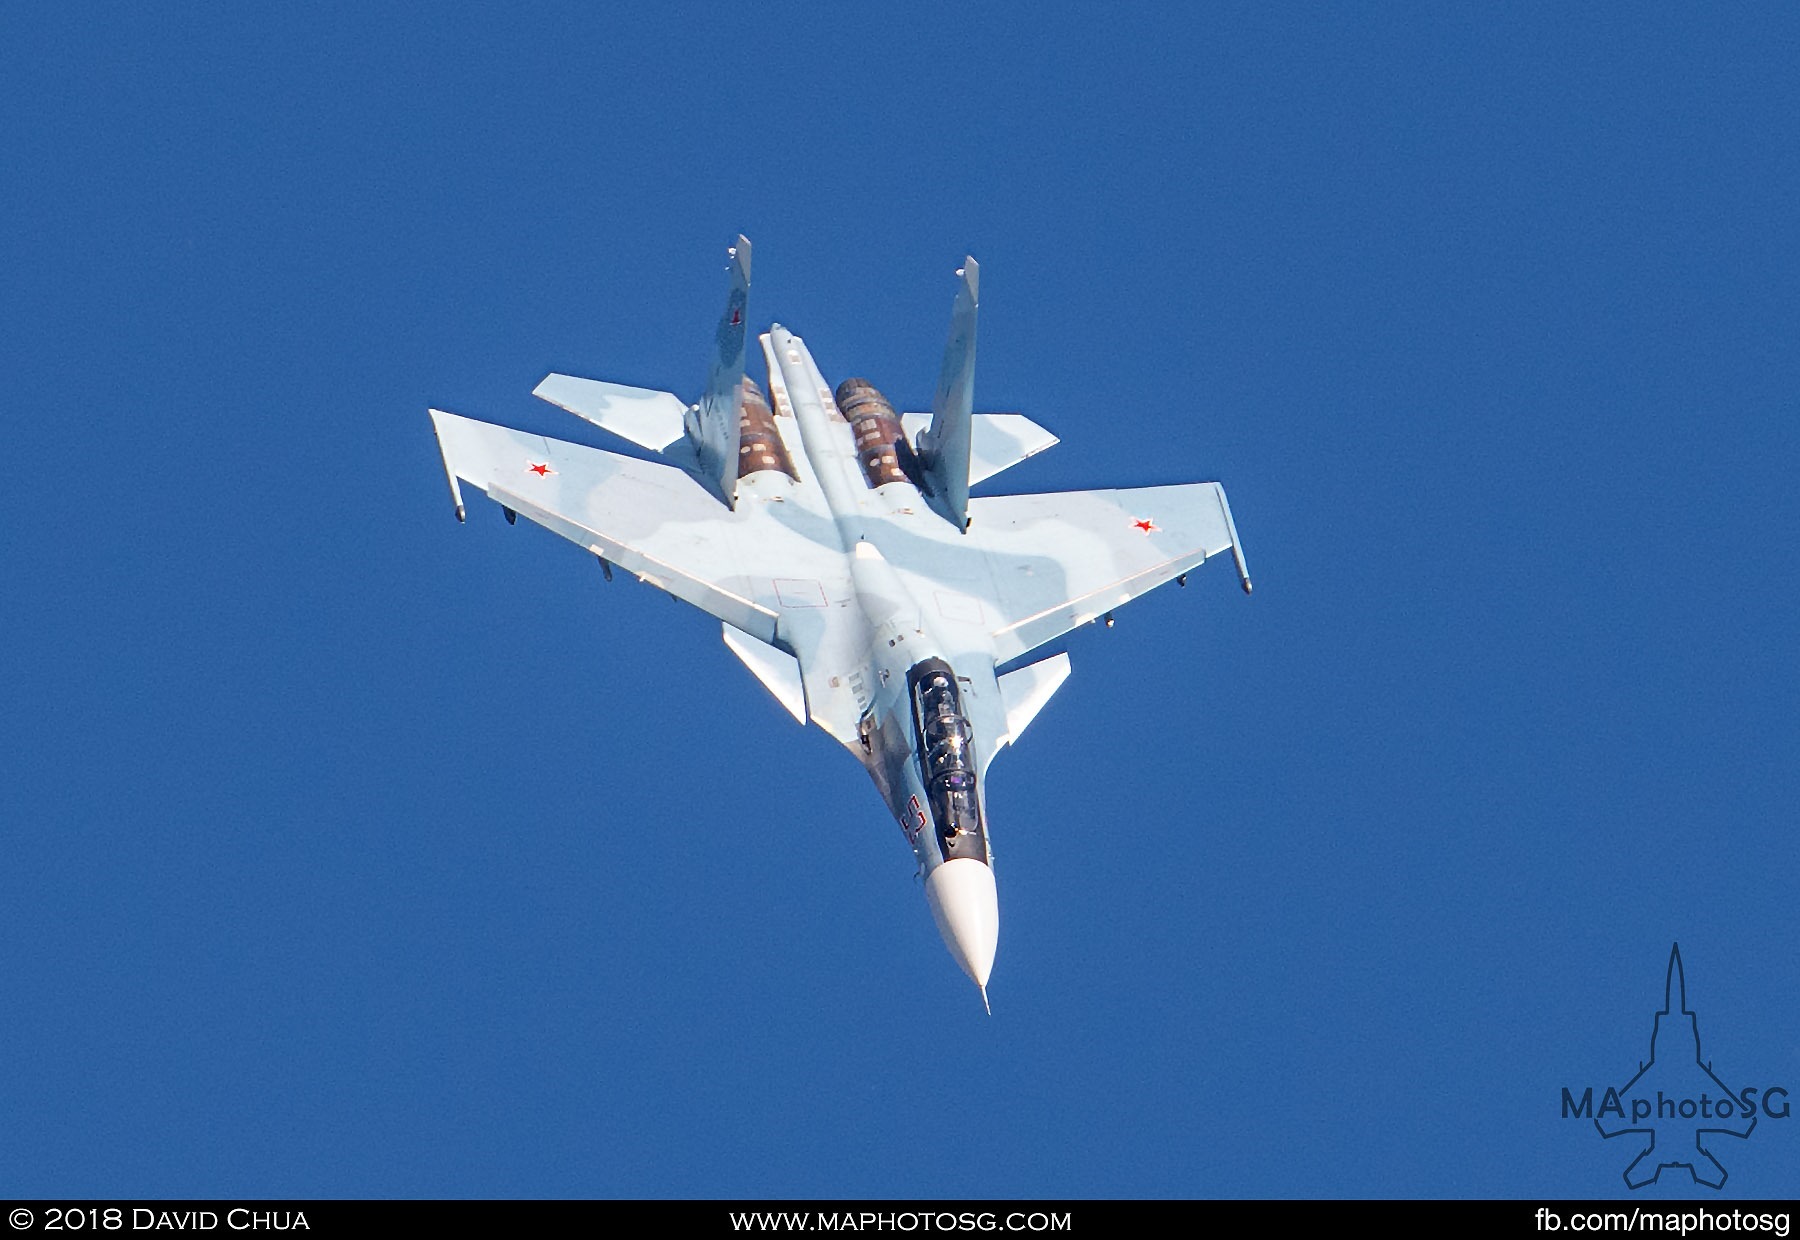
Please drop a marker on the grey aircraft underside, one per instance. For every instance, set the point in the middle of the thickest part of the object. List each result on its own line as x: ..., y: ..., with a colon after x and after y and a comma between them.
x: 853, y: 574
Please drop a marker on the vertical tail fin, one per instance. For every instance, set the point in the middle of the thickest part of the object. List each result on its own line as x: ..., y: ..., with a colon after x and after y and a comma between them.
x: 944, y: 448
x: 712, y: 426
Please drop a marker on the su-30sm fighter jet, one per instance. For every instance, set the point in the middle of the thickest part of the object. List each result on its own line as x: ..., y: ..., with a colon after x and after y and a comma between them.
x: 837, y: 542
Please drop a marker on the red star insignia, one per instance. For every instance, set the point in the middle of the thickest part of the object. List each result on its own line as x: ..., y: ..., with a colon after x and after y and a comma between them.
x: 1146, y: 525
x: 542, y: 471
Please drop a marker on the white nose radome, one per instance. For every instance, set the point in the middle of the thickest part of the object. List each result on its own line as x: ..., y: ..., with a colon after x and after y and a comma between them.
x: 967, y: 910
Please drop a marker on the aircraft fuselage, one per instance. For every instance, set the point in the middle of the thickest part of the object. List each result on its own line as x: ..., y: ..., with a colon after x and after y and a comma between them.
x: 836, y: 542
x: 933, y: 718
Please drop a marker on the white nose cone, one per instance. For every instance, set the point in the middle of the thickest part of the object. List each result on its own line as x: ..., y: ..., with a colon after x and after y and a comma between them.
x: 967, y: 911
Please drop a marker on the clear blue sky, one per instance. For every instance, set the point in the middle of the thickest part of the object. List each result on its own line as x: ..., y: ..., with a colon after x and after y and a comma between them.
x: 349, y: 851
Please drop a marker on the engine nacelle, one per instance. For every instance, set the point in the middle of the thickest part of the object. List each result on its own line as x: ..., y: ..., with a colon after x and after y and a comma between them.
x: 879, y: 437
x: 760, y: 445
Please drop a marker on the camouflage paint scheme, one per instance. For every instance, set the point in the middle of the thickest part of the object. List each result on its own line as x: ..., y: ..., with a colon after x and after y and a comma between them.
x: 834, y: 591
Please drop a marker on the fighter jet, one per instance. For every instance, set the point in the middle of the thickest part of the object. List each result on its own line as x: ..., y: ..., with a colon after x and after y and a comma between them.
x: 836, y: 541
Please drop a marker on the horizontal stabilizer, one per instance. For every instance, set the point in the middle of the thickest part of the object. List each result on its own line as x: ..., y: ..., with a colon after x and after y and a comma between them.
x: 646, y: 417
x: 1026, y: 690
x: 778, y: 670
x: 997, y: 441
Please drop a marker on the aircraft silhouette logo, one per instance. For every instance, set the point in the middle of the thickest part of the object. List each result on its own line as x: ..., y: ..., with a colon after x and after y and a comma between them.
x: 1676, y: 1105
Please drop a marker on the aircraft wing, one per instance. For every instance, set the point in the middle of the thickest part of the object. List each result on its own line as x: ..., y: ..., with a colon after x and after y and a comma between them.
x: 1052, y: 562
x: 752, y: 567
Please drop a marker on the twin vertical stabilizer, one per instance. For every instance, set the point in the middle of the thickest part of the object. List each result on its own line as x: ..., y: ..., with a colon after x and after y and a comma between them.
x: 943, y: 450
x: 704, y: 438
x: 713, y: 426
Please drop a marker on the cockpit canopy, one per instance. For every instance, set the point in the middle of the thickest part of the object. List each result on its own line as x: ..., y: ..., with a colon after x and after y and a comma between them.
x: 947, y: 760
